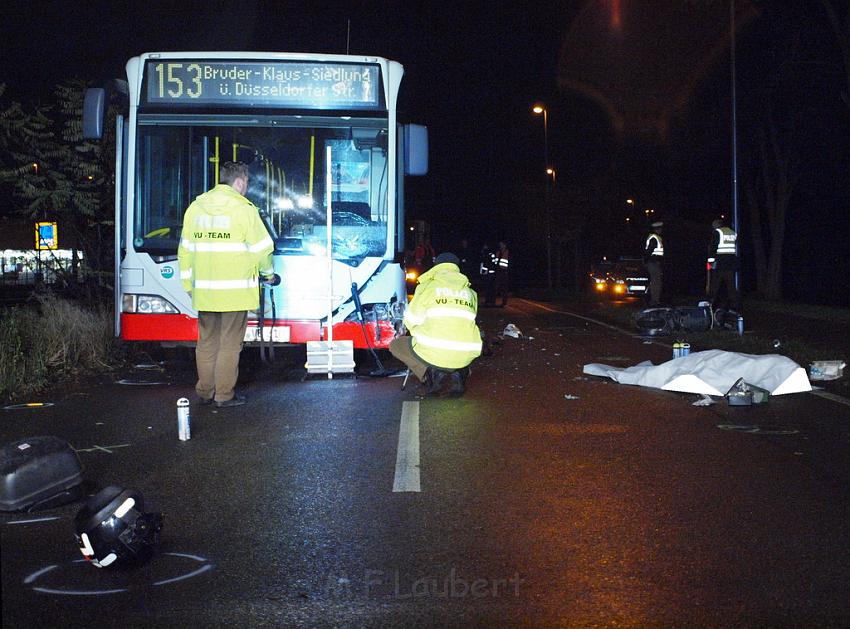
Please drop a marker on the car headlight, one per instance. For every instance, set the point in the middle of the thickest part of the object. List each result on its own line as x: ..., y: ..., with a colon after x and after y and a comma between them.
x: 147, y: 304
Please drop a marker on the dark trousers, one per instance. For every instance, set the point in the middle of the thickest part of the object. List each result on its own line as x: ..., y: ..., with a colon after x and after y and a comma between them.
x: 655, y: 282
x: 500, y: 286
x: 486, y: 287
x: 723, y: 282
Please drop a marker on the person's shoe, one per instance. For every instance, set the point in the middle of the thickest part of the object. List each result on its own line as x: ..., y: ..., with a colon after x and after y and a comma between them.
x: 433, y: 380
x: 459, y: 382
x: 204, y: 401
x: 237, y: 400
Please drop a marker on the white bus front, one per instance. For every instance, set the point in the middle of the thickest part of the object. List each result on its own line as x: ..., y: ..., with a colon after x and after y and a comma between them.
x: 322, y: 143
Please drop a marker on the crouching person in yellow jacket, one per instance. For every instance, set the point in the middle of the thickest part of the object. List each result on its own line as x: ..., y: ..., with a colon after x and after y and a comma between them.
x: 223, y: 249
x: 441, y: 321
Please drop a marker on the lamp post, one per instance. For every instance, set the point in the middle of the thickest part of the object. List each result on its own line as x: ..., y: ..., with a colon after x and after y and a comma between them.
x: 541, y: 109
x: 734, y: 137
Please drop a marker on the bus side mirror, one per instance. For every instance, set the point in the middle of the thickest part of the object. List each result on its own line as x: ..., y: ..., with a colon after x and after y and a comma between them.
x: 95, y: 102
x: 93, y: 107
x: 415, y: 149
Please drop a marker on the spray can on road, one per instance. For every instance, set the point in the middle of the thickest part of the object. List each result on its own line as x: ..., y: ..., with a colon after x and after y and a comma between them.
x: 183, y: 429
x: 677, y: 349
x: 684, y: 349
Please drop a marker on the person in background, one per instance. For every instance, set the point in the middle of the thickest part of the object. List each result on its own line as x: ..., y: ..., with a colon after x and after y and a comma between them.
x: 654, y: 258
x: 423, y: 255
x: 501, y: 264
x: 443, y: 336
x: 223, y: 248
x: 468, y: 263
x: 486, y: 273
x: 722, y: 263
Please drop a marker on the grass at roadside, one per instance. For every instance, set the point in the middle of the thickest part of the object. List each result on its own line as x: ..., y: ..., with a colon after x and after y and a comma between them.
x: 50, y: 339
x: 814, y: 313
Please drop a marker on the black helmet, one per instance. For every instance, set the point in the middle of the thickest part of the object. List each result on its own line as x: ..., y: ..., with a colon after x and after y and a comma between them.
x: 112, y: 530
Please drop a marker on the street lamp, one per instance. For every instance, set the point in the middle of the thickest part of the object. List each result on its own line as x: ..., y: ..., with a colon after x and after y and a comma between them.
x: 541, y: 109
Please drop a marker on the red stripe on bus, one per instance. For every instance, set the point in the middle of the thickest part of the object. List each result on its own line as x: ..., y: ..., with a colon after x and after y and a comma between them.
x: 169, y: 327
x: 158, y: 327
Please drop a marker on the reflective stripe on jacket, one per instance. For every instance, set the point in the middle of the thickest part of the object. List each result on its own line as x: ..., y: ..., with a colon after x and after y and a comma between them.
x: 223, y: 248
x: 441, y: 318
x: 501, y: 260
x: 727, y: 241
x: 658, y: 251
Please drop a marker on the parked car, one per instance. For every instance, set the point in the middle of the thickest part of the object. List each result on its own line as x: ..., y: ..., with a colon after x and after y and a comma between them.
x: 626, y: 276
x: 632, y: 273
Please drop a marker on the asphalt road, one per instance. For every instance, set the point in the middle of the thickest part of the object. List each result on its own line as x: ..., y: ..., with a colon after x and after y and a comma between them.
x: 545, y: 498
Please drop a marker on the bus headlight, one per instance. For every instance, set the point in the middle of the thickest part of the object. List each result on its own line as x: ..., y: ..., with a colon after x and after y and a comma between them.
x: 147, y: 304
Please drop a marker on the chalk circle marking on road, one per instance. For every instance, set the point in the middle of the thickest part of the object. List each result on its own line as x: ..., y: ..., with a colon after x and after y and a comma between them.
x: 140, y: 383
x: 757, y: 430
x: 49, y: 579
x: 27, y: 405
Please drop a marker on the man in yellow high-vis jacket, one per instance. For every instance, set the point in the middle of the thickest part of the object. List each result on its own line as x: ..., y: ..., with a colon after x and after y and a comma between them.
x: 224, y: 249
x: 441, y: 320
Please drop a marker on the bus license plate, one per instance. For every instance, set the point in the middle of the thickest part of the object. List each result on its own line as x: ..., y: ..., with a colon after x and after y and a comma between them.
x: 278, y: 334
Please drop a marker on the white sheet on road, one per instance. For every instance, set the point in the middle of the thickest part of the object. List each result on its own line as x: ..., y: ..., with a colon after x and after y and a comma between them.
x: 712, y: 372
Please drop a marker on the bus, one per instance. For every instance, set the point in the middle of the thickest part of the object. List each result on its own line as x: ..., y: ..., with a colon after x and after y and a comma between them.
x: 327, y: 157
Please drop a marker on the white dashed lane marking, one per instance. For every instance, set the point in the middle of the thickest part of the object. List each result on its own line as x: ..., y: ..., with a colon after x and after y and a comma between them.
x: 407, y: 457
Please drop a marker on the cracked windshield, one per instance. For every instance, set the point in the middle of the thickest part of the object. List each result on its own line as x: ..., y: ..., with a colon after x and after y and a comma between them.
x: 288, y: 184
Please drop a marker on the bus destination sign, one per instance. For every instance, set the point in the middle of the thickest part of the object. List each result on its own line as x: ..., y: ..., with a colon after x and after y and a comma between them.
x: 295, y: 84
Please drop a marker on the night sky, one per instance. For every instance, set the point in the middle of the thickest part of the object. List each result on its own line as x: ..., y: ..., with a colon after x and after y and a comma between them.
x: 474, y: 70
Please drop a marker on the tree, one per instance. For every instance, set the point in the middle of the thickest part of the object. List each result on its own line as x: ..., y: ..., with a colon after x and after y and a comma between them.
x: 841, y: 28
x: 57, y: 175
x: 779, y: 114
x: 768, y: 189
x: 18, y: 130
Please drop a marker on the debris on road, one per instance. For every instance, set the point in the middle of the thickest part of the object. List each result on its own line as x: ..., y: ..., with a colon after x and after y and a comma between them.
x: 14, y: 407
x: 570, y: 396
x: 705, y: 400
x: 745, y: 394
x: 758, y: 430
x: 141, y: 383
x: 511, y: 330
x: 826, y: 369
